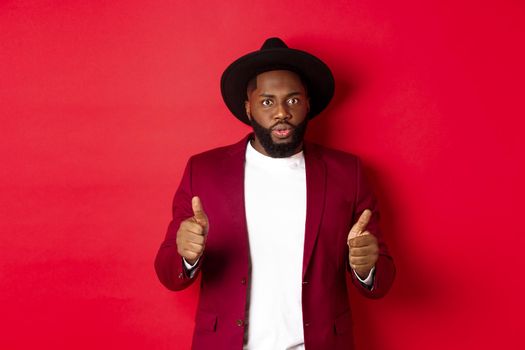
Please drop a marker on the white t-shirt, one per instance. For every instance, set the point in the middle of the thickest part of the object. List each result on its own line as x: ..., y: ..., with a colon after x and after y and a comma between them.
x: 275, y: 201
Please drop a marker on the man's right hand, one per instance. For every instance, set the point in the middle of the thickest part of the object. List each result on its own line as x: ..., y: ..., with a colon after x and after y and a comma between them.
x: 191, y: 236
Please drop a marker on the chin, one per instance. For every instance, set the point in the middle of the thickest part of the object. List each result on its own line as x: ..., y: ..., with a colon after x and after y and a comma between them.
x: 282, y: 141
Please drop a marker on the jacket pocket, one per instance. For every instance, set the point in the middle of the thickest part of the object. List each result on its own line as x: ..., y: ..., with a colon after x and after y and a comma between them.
x: 343, y: 323
x: 205, y: 321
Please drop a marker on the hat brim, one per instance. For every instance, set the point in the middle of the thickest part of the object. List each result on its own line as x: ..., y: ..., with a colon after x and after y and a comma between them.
x: 314, y: 72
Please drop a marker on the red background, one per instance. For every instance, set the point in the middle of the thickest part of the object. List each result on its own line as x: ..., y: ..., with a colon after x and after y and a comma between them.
x: 102, y: 102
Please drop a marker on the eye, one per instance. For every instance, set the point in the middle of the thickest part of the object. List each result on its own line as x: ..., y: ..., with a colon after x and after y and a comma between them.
x: 267, y: 102
x: 293, y: 101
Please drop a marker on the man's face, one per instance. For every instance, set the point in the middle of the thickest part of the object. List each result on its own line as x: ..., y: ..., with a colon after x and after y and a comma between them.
x: 277, y: 108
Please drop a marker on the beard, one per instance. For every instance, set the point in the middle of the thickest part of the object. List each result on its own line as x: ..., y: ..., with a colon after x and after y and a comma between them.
x: 280, y: 150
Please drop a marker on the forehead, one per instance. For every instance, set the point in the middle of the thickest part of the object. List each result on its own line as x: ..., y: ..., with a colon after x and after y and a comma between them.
x: 279, y: 79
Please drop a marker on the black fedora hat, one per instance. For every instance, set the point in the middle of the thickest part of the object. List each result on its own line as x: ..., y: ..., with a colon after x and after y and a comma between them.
x: 275, y: 55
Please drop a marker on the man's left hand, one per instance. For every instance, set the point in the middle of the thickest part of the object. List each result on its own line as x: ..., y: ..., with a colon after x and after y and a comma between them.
x: 363, y: 248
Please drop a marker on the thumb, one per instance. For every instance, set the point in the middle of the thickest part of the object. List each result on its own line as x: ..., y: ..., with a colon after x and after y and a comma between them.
x: 360, y: 225
x: 198, y: 213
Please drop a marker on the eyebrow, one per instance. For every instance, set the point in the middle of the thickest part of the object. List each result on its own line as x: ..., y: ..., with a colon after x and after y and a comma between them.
x: 290, y: 94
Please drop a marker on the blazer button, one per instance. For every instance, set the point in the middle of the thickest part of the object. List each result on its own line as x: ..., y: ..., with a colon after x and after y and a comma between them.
x: 243, y: 281
x: 181, y: 275
x: 307, y: 324
x: 305, y: 282
x: 240, y: 322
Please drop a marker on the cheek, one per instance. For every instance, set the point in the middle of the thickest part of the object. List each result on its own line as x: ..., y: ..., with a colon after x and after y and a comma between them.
x: 261, y: 115
x: 261, y: 119
x: 300, y: 112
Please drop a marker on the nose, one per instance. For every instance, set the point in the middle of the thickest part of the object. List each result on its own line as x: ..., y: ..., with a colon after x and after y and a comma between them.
x: 282, y: 112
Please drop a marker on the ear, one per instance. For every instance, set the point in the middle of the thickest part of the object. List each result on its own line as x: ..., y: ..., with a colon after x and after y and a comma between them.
x: 308, y: 104
x: 247, y: 109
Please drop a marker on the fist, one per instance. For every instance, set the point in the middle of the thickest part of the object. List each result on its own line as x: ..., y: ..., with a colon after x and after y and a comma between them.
x: 191, y: 236
x: 363, y: 248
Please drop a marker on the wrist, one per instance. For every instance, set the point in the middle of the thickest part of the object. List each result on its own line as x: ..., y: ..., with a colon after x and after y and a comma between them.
x: 191, y: 261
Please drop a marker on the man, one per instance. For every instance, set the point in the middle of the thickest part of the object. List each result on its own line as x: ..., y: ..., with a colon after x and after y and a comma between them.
x: 275, y: 225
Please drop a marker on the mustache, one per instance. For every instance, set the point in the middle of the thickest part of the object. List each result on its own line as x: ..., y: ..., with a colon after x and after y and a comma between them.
x: 283, y: 123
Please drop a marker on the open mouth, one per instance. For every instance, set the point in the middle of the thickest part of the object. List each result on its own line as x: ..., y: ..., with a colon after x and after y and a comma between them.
x: 282, y: 131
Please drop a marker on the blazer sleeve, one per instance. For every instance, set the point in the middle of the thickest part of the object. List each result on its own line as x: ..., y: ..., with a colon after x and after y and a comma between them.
x: 169, y: 265
x: 385, y: 269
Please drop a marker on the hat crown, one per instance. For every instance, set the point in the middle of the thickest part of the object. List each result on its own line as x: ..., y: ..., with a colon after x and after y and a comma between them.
x: 274, y: 43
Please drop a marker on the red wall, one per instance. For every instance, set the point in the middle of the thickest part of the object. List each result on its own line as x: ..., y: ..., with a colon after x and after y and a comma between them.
x: 102, y: 102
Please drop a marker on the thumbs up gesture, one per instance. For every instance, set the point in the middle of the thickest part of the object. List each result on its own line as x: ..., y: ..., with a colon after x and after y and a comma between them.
x: 191, y: 236
x: 363, y: 248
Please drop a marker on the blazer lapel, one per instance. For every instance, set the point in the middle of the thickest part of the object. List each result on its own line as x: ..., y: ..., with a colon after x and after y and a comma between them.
x: 233, y: 165
x: 315, y: 199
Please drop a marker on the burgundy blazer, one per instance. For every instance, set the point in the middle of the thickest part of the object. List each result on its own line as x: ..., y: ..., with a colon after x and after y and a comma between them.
x: 337, y: 194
